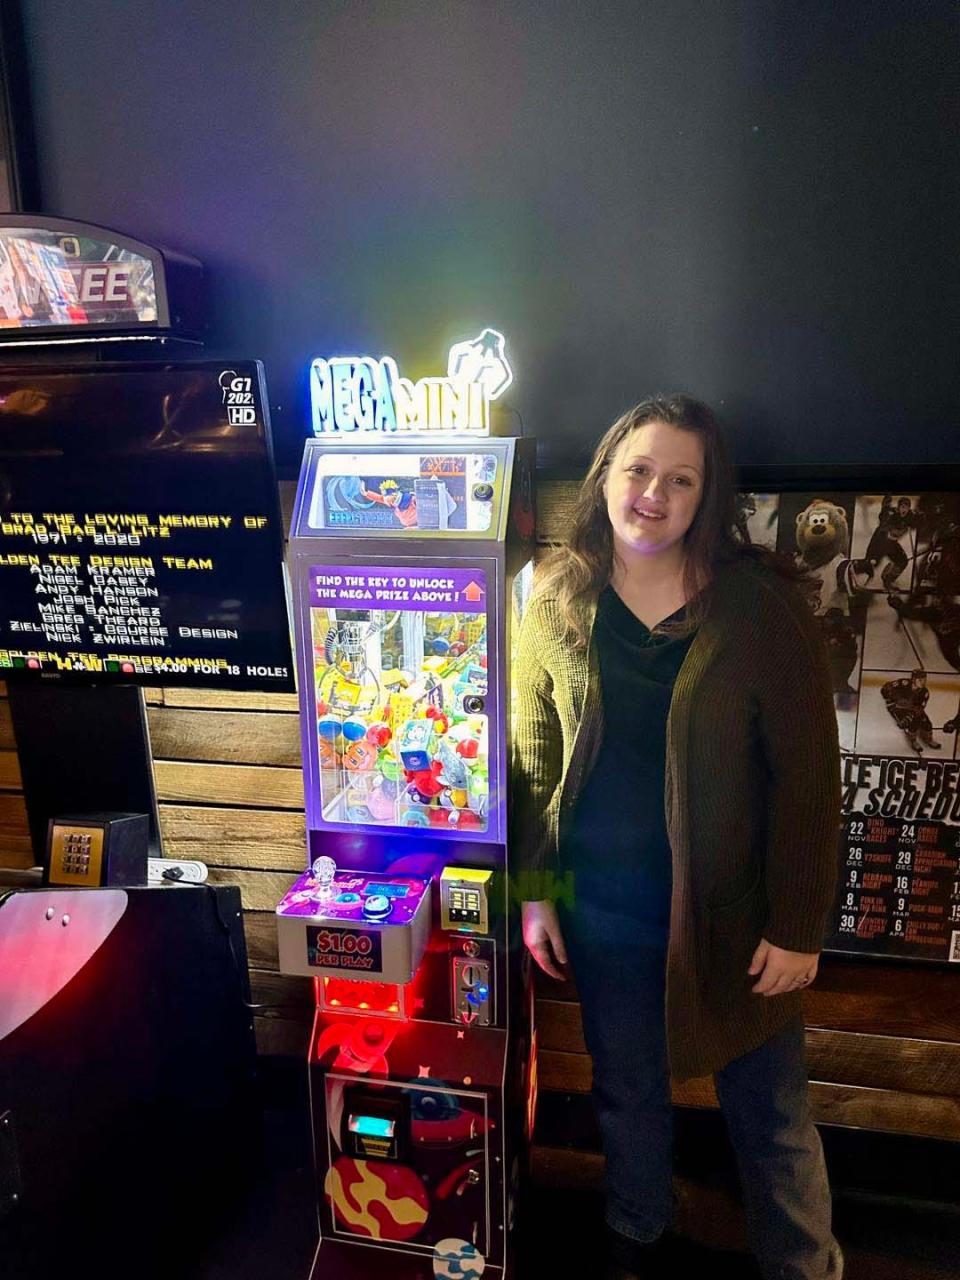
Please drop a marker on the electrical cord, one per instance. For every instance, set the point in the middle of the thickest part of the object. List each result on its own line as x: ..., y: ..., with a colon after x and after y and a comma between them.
x: 510, y: 409
x: 225, y: 927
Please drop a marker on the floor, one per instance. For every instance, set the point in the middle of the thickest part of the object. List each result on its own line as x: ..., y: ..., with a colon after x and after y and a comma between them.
x: 263, y: 1228
x: 883, y: 1239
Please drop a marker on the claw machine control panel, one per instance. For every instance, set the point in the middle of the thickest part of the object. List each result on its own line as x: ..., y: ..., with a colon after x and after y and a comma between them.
x: 410, y: 563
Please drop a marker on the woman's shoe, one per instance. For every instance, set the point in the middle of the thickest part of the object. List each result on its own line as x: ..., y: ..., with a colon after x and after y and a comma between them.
x: 629, y: 1259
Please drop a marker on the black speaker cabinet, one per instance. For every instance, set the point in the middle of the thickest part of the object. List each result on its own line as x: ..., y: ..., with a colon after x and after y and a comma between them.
x: 127, y: 1072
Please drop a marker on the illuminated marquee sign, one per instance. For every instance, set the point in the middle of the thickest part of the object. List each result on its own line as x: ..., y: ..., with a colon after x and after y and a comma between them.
x: 354, y: 395
x: 67, y: 281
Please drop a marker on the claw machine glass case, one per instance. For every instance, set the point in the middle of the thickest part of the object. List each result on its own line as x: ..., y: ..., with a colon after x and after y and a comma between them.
x: 410, y: 564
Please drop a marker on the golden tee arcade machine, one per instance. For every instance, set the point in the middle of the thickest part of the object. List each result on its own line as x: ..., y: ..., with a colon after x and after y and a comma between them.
x: 410, y: 556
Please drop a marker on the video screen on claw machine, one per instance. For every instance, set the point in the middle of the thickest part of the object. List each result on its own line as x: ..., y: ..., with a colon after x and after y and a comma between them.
x: 429, y: 492
x: 400, y: 678
x: 140, y: 535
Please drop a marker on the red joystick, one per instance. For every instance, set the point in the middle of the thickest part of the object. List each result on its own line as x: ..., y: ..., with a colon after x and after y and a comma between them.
x: 373, y: 1035
x: 322, y: 707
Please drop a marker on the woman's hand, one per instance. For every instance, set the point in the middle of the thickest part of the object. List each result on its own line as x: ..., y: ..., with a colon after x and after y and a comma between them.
x: 781, y: 971
x: 542, y: 936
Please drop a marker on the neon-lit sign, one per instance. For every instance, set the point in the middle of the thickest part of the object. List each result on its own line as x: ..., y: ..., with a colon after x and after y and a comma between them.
x: 355, y: 395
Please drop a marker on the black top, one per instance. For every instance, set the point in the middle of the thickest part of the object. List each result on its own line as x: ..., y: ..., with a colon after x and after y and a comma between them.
x: 616, y: 843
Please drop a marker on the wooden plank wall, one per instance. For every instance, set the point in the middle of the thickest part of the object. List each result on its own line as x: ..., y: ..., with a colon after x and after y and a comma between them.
x: 883, y: 1039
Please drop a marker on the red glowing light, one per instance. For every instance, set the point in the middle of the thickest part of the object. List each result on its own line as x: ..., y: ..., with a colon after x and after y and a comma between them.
x: 46, y: 937
x: 355, y: 996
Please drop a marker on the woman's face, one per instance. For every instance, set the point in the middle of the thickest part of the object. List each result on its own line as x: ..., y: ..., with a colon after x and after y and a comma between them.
x: 653, y: 487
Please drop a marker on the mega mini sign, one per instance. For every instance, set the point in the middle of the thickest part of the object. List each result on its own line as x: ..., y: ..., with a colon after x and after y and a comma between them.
x: 352, y: 396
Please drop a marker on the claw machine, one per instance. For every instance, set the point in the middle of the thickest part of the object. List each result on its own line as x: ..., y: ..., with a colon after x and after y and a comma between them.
x: 410, y: 562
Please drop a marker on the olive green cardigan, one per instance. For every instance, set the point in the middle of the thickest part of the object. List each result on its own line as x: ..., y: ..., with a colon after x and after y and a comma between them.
x: 752, y: 797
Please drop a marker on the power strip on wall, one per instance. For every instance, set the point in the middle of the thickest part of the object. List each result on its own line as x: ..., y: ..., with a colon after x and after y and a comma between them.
x: 175, y: 871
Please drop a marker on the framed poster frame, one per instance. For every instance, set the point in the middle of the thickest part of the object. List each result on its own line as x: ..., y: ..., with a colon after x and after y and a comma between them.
x: 888, y: 597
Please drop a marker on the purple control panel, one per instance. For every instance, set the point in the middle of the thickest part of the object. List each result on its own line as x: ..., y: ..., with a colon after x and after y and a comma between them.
x: 357, y: 899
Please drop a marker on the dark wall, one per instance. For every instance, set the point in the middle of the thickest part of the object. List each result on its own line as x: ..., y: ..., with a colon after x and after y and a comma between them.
x: 753, y: 200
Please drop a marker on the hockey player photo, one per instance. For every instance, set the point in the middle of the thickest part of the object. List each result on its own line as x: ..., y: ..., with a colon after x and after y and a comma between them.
x: 914, y: 542
x: 892, y: 541
x: 912, y: 631
x: 906, y: 700
x: 938, y: 543
x: 909, y: 713
x: 756, y: 518
x: 936, y: 615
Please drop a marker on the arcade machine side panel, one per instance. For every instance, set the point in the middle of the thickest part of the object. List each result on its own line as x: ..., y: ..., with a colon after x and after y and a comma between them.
x: 111, y: 1002
x: 520, y: 1076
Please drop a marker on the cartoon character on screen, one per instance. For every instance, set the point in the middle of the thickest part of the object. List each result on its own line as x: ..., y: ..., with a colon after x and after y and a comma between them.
x: 823, y: 549
x: 906, y: 700
x: 894, y: 522
x: 402, y: 502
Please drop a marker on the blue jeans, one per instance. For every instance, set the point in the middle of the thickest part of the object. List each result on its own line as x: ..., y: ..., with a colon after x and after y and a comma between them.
x: 620, y: 971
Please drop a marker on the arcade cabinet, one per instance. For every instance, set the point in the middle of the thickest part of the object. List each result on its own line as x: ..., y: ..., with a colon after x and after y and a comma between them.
x: 410, y: 560
x: 140, y: 545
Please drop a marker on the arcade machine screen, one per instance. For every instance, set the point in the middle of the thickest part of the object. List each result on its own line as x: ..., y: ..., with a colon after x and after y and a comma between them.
x: 432, y: 491
x: 140, y: 534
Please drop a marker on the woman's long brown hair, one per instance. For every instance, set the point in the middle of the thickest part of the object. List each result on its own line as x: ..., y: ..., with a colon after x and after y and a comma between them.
x: 576, y: 572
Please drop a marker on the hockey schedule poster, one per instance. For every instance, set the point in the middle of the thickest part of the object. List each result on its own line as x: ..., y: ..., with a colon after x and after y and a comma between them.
x: 886, y: 574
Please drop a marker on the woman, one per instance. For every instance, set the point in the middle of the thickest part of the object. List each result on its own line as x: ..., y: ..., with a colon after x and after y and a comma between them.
x: 677, y: 773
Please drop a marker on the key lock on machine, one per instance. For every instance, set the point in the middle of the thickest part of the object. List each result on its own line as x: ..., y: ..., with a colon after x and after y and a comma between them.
x: 465, y: 909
